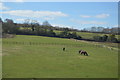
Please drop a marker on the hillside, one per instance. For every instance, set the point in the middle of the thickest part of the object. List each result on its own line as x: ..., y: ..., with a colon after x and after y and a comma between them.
x: 42, y: 57
x: 88, y: 35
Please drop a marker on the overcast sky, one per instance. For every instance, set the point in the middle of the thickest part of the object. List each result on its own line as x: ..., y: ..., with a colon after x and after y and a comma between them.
x: 77, y: 15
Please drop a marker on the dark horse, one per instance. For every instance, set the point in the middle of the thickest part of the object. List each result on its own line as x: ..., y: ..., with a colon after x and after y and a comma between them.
x: 63, y: 49
x: 83, y: 52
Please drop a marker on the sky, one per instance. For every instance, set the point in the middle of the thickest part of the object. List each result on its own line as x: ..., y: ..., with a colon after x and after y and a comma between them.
x: 77, y: 15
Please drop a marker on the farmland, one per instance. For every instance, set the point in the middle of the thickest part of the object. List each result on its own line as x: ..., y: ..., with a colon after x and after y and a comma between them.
x: 42, y: 57
x: 88, y: 35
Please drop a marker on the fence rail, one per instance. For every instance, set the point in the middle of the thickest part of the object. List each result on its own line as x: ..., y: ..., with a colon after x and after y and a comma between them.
x: 39, y: 43
x: 56, y: 44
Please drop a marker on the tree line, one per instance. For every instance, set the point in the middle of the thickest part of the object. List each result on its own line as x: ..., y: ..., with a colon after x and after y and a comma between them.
x: 34, y: 28
x: 46, y: 29
x: 115, y: 30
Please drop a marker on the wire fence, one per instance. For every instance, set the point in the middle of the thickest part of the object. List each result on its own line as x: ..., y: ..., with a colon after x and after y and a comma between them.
x: 58, y: 44
x: 39, y: 43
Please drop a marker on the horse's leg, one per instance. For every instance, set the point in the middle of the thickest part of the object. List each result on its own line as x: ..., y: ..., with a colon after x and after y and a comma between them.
x: 82, y: 52
x: 86, y: 54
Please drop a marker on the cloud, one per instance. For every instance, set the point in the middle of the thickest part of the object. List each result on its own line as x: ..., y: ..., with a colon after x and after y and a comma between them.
x: 12, y: 0
x: 92, y: 22
x: 3, y: 7
x: 35, y: 14
x: 85, y: 16
x: 20, y: 20
x: 102, y: 15
x: 96, y: 16
x: 19, y: 0
x: 88, y: 22
x: 116, y: 26
x: 61, y: 25
x: 48, y: 18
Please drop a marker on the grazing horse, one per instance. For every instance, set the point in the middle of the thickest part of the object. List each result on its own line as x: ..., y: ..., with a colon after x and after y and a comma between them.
x: 63, y: 49
x: 83, y: 52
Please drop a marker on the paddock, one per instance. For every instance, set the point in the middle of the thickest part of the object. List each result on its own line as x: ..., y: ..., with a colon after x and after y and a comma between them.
x: 43, y: 57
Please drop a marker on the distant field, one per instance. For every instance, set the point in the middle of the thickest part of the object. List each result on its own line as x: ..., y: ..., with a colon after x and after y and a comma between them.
x: 42, y: 57
x: 87, y: 35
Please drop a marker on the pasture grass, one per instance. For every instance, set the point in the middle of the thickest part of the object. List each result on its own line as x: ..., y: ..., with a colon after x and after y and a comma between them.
x: 49, y: 61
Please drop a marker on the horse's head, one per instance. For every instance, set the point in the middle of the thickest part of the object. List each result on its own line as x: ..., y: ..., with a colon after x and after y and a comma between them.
x: 80, y: 51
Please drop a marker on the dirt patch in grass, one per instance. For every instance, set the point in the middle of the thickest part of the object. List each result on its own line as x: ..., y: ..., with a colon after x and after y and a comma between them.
x: 8, y: 36
x: 8, y: 51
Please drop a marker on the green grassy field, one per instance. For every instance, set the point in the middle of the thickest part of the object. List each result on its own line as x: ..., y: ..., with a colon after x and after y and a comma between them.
x: 44, y: 58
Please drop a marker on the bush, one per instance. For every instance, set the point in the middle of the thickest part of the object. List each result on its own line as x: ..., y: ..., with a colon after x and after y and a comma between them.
x: 104, y: 37
x: 112, y: 38
x: 98, y: 38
